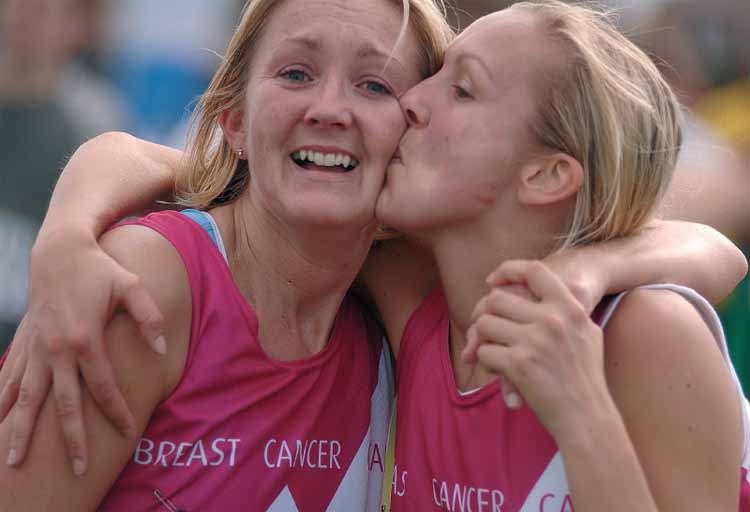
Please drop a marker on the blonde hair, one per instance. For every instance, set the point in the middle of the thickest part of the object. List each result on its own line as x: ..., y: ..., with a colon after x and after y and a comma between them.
x: 607, y: 105
x: 215, y: 173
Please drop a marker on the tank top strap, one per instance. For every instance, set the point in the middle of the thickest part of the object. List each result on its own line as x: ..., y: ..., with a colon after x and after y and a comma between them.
x: 207, y: 222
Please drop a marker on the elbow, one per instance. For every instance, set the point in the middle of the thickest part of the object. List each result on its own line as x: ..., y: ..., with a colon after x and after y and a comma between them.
x: 107, y: 140
x: 731, y: 265
x: 101, y: 147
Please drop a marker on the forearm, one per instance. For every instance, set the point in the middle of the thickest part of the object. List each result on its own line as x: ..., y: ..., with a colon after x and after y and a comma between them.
x: 683, y: 253
x: 602, y: 467
x: 110, y: 177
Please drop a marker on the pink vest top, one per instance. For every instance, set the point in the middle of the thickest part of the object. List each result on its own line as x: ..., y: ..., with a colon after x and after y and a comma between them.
x: 244, y: 432
x: 470, y: 453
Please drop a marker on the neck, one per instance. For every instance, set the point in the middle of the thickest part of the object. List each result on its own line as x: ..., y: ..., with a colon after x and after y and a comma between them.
x: 485, y: 246
x: 295, y: 277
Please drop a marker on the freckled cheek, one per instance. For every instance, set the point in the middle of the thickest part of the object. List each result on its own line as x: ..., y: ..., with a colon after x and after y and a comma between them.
x: 386, y: 126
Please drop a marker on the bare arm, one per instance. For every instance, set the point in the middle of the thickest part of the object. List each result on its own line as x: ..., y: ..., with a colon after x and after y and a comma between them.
x: 145, y: 254
x: 689, y: 254
x: 399, y: 273
x: 656, y: 427
x: 109, y: 177
x: 679, y: 409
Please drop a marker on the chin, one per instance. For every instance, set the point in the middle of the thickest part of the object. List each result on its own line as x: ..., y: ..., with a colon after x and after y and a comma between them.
x: 330, y: 214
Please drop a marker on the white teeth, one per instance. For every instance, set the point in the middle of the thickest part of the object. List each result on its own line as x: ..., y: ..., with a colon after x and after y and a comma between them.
x: 326, y: 159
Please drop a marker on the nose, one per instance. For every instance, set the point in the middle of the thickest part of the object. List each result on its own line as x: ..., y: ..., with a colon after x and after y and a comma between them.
x: 330, y: 109
x: 415, y: 110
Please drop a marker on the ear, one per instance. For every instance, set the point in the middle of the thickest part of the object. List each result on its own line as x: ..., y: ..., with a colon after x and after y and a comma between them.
x: 233, y: 126
x: 550, y: 179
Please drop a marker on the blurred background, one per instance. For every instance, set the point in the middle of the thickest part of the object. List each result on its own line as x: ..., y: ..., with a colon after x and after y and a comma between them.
x: 71, y: 69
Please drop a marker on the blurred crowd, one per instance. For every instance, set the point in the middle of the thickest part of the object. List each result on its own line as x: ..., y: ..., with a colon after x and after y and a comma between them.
x: 71, y: 69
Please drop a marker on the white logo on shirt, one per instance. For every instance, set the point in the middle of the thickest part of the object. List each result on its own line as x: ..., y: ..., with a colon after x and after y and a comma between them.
x: 218, y: 452
x: 464, y: 498
x: 307, y: 453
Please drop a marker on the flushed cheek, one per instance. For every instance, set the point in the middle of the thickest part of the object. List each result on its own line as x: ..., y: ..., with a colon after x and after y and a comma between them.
x: 385, y: 129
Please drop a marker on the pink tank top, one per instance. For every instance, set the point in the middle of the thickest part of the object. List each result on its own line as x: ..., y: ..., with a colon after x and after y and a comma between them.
x: 468, y: 452
x: 244, y: 432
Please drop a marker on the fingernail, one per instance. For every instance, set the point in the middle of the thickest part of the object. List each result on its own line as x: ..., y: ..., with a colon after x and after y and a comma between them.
x: 78, y: 467
x: 160, y: 345
x: 513, y: 400
x: 11, y: 457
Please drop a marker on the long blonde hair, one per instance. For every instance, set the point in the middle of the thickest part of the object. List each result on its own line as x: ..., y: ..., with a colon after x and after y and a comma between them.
x: 607, y: 105
x: 215, y: 173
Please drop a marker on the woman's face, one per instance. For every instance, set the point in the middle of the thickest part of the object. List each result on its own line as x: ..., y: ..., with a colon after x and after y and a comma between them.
x: 468, y: 129
x: 322, y: 119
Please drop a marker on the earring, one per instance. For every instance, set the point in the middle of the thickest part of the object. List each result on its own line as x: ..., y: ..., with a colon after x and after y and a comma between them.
x: 241, y: 153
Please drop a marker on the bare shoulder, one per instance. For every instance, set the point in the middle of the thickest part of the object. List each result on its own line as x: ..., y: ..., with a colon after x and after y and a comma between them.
x: 160, y: 269
x: 151, y: 257
x: 658, y: 328
x: 144, y: 378
x: 677, y: 398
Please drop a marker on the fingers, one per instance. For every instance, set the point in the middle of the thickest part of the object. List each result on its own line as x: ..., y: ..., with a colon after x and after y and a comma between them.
x: 9, y: 393
x: 494, y: 330
x: 541, y: 281
x: 67, y: 390
x: 511, y: 394
x: 31, y: 396
x: 489, y: 328
x: 100, y: 380
x: 139, y: 304
x: 496, y: 358
x: 508, y: 304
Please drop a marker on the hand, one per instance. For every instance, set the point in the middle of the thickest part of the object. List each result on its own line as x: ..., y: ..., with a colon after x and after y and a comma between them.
x: 75, y: 289
x: 548, y: 347
x: 513, y: 399
x: 585, y: 277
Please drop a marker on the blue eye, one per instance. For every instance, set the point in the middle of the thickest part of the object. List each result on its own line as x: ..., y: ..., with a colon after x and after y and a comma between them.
x: 377, y: 88
x: 295, y: 75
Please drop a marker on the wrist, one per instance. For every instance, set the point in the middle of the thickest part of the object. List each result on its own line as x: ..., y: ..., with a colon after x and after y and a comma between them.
x: 592, y: 416
x: 55, y: 239
x: 596, y: 424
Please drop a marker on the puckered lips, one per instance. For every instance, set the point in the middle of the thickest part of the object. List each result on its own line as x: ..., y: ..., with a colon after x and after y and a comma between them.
x: 325, y: 159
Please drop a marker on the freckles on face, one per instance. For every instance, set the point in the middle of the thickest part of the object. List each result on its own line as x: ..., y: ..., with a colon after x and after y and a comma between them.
x: 319, y: 82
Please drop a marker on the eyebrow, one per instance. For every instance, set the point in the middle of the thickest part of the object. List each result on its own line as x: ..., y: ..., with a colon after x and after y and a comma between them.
x: 464, y: 57
x: 307, y: 42
x: 365, y: 51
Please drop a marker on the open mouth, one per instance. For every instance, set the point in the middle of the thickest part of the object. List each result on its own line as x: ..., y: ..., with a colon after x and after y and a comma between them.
x: 331, y: 162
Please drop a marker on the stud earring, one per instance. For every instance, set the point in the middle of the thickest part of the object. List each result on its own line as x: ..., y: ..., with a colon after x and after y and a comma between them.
x: 241, y: 152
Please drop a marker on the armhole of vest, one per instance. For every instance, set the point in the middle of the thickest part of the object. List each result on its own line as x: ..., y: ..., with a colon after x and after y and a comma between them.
x: 711, y: 319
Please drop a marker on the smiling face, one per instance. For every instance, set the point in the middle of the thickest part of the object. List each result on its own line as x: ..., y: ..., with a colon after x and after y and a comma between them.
x: 468, y: 128
x: 321, y: 120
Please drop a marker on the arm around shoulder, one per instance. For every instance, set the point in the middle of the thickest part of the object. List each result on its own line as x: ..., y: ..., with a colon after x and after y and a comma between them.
x: 145, y: 378
x: 397, y: 276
